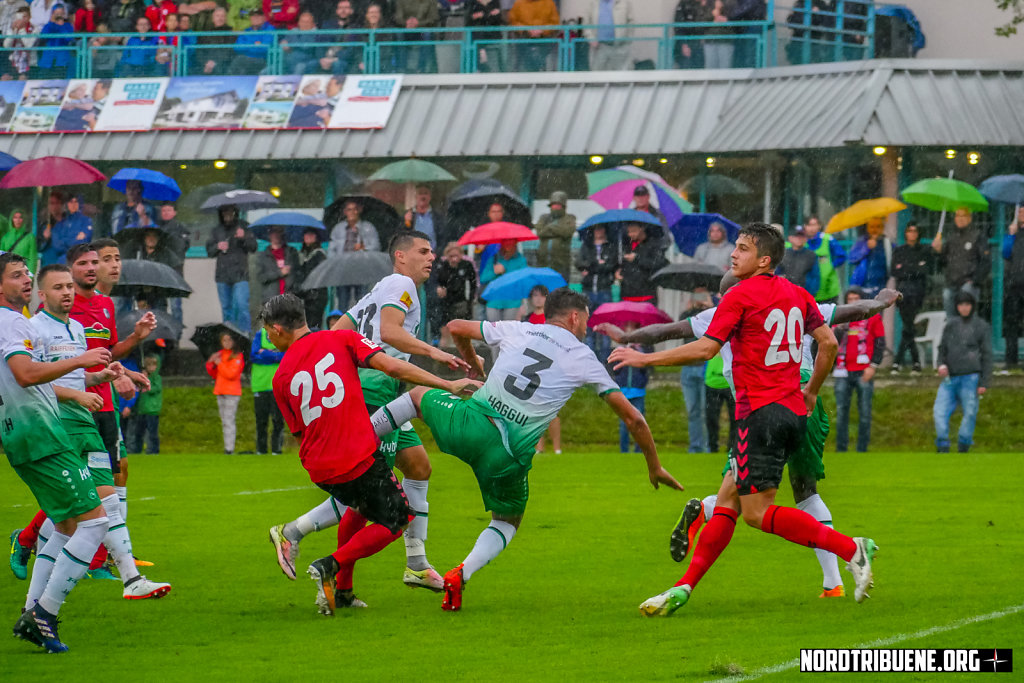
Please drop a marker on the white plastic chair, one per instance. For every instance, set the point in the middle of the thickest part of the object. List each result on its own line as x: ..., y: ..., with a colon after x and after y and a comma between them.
x: 935, y: 320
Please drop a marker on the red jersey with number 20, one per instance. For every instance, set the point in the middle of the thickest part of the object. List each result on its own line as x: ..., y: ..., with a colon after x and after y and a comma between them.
x: 765, y: 318
x: 317, y: 388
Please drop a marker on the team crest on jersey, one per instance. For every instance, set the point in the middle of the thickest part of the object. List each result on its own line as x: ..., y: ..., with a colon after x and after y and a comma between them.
x: 406, y: 299
x: 28, y: 345
x: 97, y: 331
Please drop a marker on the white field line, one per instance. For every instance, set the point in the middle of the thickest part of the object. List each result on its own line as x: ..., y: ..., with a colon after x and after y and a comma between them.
x: 883, y: 642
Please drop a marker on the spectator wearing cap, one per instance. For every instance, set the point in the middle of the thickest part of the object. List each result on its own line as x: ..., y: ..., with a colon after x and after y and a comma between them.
x: 871, y: 256
x: 964, y: 259
x: 251, y: 45
x: 717, y: 251
x: 556, y: 230
x: 641, y: 258
x: 800, y: 264
x: 1013, y: 288
x: 609, y: 41
x: 74, y: 228
x: 311, y: 255
x: 831, y: 255
x: 861, y: 348
x: 642, y: 202
x: 334, y: 316
x: 965, y: 366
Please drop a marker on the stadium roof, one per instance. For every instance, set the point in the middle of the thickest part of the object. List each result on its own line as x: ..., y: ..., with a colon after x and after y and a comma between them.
x: 823, y: 106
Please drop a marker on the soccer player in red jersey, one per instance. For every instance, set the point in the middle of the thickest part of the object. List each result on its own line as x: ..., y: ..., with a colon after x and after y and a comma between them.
x: 764, y: 317
x: 317, y: 388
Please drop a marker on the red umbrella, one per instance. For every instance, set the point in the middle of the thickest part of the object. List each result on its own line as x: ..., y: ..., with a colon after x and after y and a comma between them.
x: 623, y: 312
x: 493, y: 233
x: 51, y: 171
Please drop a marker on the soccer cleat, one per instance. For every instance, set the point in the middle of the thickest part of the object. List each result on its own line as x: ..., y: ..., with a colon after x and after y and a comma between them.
x: 837, y: 592
x: 287, y: 552
x: 322, y: 571
x: 19, y: 556
x: 39, y: 627
x: 664, y: 604
x: 101, y: 573
x: 453, y: 587
x: 860, y: 567
x: 141, y: 588
x: 347, y: 598
x: 426, y: 578
x: 685, y: 532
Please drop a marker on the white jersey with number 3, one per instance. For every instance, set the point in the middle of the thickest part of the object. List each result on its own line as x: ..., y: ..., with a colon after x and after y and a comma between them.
x: 537, y: 369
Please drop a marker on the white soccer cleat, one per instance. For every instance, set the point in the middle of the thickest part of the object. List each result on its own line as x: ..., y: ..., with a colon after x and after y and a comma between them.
x: 141, y: 588
x: 426, y: 578
x: 664, y: 604
x: 860, y: 567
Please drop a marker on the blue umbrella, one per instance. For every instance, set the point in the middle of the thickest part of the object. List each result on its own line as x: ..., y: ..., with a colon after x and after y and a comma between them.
x: 1008, y: 189
x: 616, y: 216
x: 518, y: 283
x: 692, y: 229
x: 294, y: 223
x: 7, y: 162
x: 155, y: 185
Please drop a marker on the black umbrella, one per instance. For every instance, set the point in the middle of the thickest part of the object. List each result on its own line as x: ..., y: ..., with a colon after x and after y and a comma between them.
x: 207, y: 338
x: 192, y: 200
x: 166, y: 326
x: 129, y: 237
x: 375, y: 211
x: 365, y: 268
x: 688, y: 276
x: 153, y: 277
x: 243, y: 199
x: 468, y: 204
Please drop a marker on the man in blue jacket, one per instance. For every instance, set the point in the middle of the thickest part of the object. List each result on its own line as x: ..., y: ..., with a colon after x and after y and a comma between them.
x: 251, y: 46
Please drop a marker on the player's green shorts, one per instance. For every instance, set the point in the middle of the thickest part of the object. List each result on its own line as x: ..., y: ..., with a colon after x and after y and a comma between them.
x: 808, y: 461
x: 403, y: 437
x: 470, y: 435
x: 92, y: 451
x: 62, y: 485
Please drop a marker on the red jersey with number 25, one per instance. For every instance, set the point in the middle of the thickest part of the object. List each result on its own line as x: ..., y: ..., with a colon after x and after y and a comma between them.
x: 765, y: 318
x: 317, y: 388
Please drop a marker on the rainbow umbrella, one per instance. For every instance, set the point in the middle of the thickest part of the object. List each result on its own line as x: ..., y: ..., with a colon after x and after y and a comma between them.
x: 613, y: 188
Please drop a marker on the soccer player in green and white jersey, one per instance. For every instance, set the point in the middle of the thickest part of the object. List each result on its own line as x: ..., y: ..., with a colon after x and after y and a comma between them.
x: 538, y: 367
x: 389, y: 316
x: 41, y: 454
x: 62, y: 338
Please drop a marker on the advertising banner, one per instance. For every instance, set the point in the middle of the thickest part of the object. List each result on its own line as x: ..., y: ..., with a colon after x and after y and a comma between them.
x: 366, y: 102
x: 131, y: 104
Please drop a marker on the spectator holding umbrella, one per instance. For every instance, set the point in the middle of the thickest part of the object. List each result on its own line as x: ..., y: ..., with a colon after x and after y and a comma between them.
x: 1013, y: 287
x: 48, y: 252
x: 911, y: 266
x: 717, y: 251
x: 556, y: 230
x: 964, y: 258
x: 311, y: 255
x: 598, y: 262
x: 277, y: 266
x: 225, y: 367
x: 230, y: 243
x: 353, y: 234
x: 872, y: 256
x: 74, y: 228
x: 642, y: 256
x: 19, y: 238
x: 507, y: 260
x: 133, y: 212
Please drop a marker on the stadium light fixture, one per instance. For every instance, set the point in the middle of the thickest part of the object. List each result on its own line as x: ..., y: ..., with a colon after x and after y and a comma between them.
x: 276, y: 191
x: 710, y: 162
x: 597, y: 159
x: 638, y: 162
x: 183, y: 167
x: 879, y: 151
x: 220, y: 163
x: 973, y: 158
x: 951, y: 154
x: 663, y: 160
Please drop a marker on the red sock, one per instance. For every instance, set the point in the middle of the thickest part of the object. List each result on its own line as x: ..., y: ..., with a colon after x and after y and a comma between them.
x: 367, y: 541
x: 801, y: 528
x: 99, y: 558
x: 30, y: 534
x: 710, y: 544
x: 348, y: 525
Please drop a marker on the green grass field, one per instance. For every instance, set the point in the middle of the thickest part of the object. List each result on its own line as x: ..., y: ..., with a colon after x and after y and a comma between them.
x: 561, y: 602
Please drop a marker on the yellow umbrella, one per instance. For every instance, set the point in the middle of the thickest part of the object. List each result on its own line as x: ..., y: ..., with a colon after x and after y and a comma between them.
x: 863, y: 211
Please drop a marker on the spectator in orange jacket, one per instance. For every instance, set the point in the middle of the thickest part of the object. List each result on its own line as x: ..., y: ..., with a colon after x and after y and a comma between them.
x: 225, y: 366
x: 530, y: 13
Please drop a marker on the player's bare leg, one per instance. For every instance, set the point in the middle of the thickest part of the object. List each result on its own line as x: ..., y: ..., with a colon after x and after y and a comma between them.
x: 491, y: 542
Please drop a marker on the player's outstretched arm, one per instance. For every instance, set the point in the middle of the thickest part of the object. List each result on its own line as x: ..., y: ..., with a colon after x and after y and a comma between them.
x: 641, y: 432
x: 407, y: 372
x: 864, y: 309
x: 464, y: 333
x: 698, y: 351
x: 828, y: 348
x: 393, y: 334
x: 651, y: 334
x: 28, y: 372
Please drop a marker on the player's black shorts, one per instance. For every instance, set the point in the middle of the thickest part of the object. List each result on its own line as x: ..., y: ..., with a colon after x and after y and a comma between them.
x: 376, y: 495
x: 764, y: 441
x: 106, y: 423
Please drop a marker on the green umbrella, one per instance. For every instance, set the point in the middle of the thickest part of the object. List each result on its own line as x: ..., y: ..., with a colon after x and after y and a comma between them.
x: 412, y: 171
x: 944, y: 194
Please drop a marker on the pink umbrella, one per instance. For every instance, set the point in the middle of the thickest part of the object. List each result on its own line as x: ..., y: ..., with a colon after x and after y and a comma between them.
x: 493, y: 233
x: 51, y: 171
x: 623, y: 312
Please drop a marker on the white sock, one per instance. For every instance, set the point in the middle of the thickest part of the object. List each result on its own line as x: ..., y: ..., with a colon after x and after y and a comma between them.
x: 709, y: 504
x: 43, y: 566
x: 45, y: 531
x: 416, y: 533
x: 117, y: 540
x: 816, y: 507
x: 323, y: 516
x: 393, y: 415
x: 72, y: 563
x: 492, y: 541
x: 122, y: 497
